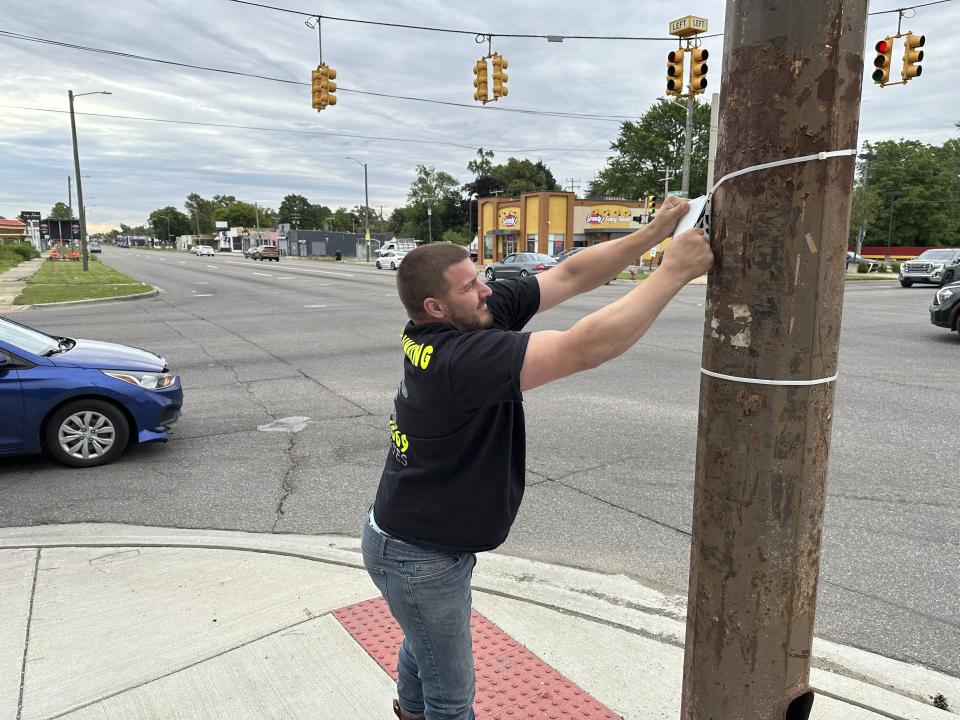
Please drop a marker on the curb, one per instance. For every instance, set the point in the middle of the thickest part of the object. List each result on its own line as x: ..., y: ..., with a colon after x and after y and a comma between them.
x: 118, y: 298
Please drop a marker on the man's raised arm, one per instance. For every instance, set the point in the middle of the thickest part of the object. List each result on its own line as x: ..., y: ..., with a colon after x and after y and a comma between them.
x: 594, y: 266
x: 613, y: 329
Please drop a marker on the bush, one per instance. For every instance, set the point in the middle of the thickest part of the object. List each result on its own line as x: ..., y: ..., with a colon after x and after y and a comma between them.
x: 895, y: 268
x: 25, y: 250
x: 863, y: 267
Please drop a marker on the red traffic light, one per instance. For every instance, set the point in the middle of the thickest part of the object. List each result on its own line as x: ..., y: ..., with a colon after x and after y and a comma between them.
x: 882, y: 46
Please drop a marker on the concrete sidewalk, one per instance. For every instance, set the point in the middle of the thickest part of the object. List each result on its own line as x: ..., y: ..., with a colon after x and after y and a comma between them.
x: 125, y: 622
x: 14, y: 280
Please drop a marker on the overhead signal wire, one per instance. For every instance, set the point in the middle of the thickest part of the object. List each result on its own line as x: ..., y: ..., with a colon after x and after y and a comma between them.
x: 326, y: 133
x: 133, y: 56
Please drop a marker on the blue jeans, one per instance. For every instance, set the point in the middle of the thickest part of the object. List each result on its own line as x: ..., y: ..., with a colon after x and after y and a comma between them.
x: 429, y: 596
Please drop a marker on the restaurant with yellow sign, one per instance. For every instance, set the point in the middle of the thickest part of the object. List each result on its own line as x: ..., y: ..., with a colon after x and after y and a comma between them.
x: 551, y: 222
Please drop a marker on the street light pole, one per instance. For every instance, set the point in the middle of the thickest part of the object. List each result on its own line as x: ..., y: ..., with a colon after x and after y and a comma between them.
x: 429, y: 220
x: 861, y: 229
x: 890, y: 194
x: 366, y: 207
x: 76, y: 167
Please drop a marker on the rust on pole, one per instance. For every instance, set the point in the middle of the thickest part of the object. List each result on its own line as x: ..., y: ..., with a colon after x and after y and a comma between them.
x: 791, y: 85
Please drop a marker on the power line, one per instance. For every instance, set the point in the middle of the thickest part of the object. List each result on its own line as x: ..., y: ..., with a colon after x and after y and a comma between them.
x: 475, y: 33
x: 324, y: 133
x: 133, y: 56
x: 554, y: 38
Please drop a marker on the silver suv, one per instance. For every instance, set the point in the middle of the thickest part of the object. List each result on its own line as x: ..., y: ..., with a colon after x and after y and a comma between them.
x: 937, y: 266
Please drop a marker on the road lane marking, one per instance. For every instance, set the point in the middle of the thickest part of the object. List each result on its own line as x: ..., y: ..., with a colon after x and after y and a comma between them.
x: 203, y: 295
x: 314, y: 306
x: 182, y: 262
x: 323, y: 272
x: 287, y: 277
x: 263, y: 274
x: 215, y: 267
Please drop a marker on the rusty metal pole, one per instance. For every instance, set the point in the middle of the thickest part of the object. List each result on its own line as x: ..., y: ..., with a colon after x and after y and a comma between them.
x: 791, y: 87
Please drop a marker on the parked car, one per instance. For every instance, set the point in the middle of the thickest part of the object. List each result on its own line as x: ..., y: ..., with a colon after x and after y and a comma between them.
x: 570, y: 252
x: 938, y: 266
x: 855, y: 259
x: 200, y: 250
x: 945, y: 309
x: 248, y: 253
x: 266, y: 252
x: 390, y: 259
x: 82, y: 401
x: 520, y: 265
x: 94, y: 247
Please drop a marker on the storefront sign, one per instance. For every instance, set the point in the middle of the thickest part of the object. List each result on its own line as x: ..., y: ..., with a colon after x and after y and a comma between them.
x: 614, y: 215
x: 508, y: 218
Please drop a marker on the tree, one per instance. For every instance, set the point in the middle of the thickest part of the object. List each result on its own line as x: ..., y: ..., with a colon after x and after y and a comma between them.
x: 520, y: 176
x: 456, y: 237
x: 223, y: 201
x: 179, y: 223
x: 433, y: 184
x: 482, y: 165
x: 237, y: 214
x: 60, y: 211
x: 200, y: 211
x: 343, y: 220
x: 917, y: 184
x: 644, y: 148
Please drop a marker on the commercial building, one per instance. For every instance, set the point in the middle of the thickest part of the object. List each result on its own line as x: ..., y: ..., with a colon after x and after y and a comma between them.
x: 551, y: 222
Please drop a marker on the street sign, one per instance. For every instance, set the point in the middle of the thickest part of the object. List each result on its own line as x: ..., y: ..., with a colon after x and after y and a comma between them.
x: 687, y: 26
x: 30, y: 216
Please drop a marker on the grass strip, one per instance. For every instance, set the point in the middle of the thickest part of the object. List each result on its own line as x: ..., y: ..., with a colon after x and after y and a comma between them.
x: 64, y: 280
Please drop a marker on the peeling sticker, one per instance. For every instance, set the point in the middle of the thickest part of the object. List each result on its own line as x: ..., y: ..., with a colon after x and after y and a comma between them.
x: 288, y: 424
x: 714, y: 323
x: 811, y: 244
x: 741, y: 339
x: 790, y: 331
x: 796, y: 272
x: 741, y: 312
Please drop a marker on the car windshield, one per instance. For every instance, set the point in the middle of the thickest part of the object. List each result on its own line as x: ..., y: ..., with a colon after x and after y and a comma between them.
x: 26, y: 338
x: 937, y: 255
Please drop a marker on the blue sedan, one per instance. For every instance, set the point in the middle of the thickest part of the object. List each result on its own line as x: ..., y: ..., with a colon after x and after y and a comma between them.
x: 83, y: 401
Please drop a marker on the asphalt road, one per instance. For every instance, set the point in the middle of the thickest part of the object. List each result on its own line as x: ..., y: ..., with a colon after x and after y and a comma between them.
x: 611, y: 452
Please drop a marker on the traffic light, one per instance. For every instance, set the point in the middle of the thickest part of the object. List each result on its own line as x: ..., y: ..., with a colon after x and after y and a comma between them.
x: 323, y: 87
x: 480, y: 81
x: 500, y: 78
x: 651, y: 207
x: 698, y: 71
x: 884, y: 48
x: 912, y: 56
x: 316, y: 88
x: 675, y: 72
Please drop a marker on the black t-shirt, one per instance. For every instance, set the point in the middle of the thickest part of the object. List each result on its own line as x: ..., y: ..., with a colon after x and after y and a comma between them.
x: 454, y: 475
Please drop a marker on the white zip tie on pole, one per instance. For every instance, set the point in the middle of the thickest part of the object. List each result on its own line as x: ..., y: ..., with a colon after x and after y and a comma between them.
x: 706, y: 221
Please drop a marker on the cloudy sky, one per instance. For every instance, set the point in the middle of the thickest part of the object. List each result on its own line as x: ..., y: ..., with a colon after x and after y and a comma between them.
x: 131, y: 167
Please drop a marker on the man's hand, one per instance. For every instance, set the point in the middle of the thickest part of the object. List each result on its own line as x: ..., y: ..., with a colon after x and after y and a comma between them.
x: 688, y: 255
x: 669, y: 215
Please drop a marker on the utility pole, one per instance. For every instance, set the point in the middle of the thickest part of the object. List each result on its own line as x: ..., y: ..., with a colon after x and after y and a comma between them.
x: 772, y: 313
x: 256, y: 210
x: 687, y: 144
x: 76, y: 166
x: 70, y: 196
x: 712, y: 146
x: 667, y: 177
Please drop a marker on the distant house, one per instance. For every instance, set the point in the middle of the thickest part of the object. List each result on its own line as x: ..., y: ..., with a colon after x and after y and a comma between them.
x: 12, y: 230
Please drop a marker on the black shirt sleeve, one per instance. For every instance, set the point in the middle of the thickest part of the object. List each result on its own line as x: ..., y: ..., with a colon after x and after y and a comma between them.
x: 514, y: 302
x: 485, y: 368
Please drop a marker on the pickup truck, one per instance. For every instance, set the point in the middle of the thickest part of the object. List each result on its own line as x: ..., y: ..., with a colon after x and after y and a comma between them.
x: 936, y: 266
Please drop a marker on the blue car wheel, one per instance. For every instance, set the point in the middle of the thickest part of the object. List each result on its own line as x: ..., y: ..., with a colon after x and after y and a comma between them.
x: 86, y: 433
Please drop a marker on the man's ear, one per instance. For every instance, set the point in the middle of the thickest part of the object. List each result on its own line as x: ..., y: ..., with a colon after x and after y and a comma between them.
x: 432, y: 308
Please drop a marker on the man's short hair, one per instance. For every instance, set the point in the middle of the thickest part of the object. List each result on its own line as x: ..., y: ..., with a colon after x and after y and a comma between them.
x: 422, y: 274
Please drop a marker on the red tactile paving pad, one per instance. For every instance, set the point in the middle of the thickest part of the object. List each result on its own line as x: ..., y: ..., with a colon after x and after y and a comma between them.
x: 512, y: 682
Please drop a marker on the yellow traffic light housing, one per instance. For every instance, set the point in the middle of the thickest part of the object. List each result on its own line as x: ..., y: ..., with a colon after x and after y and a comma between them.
x: 651, y: 207
x: 316, y: 89
x: 500, y: 78
x: 912, y: 56
x: 481, y: 93
x: 323, y: 87
x: 675, y: 72
x: 698, y: 71
x: 884, y: 48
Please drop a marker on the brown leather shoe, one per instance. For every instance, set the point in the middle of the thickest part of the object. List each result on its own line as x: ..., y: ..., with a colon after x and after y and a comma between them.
x: 402, y: 715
